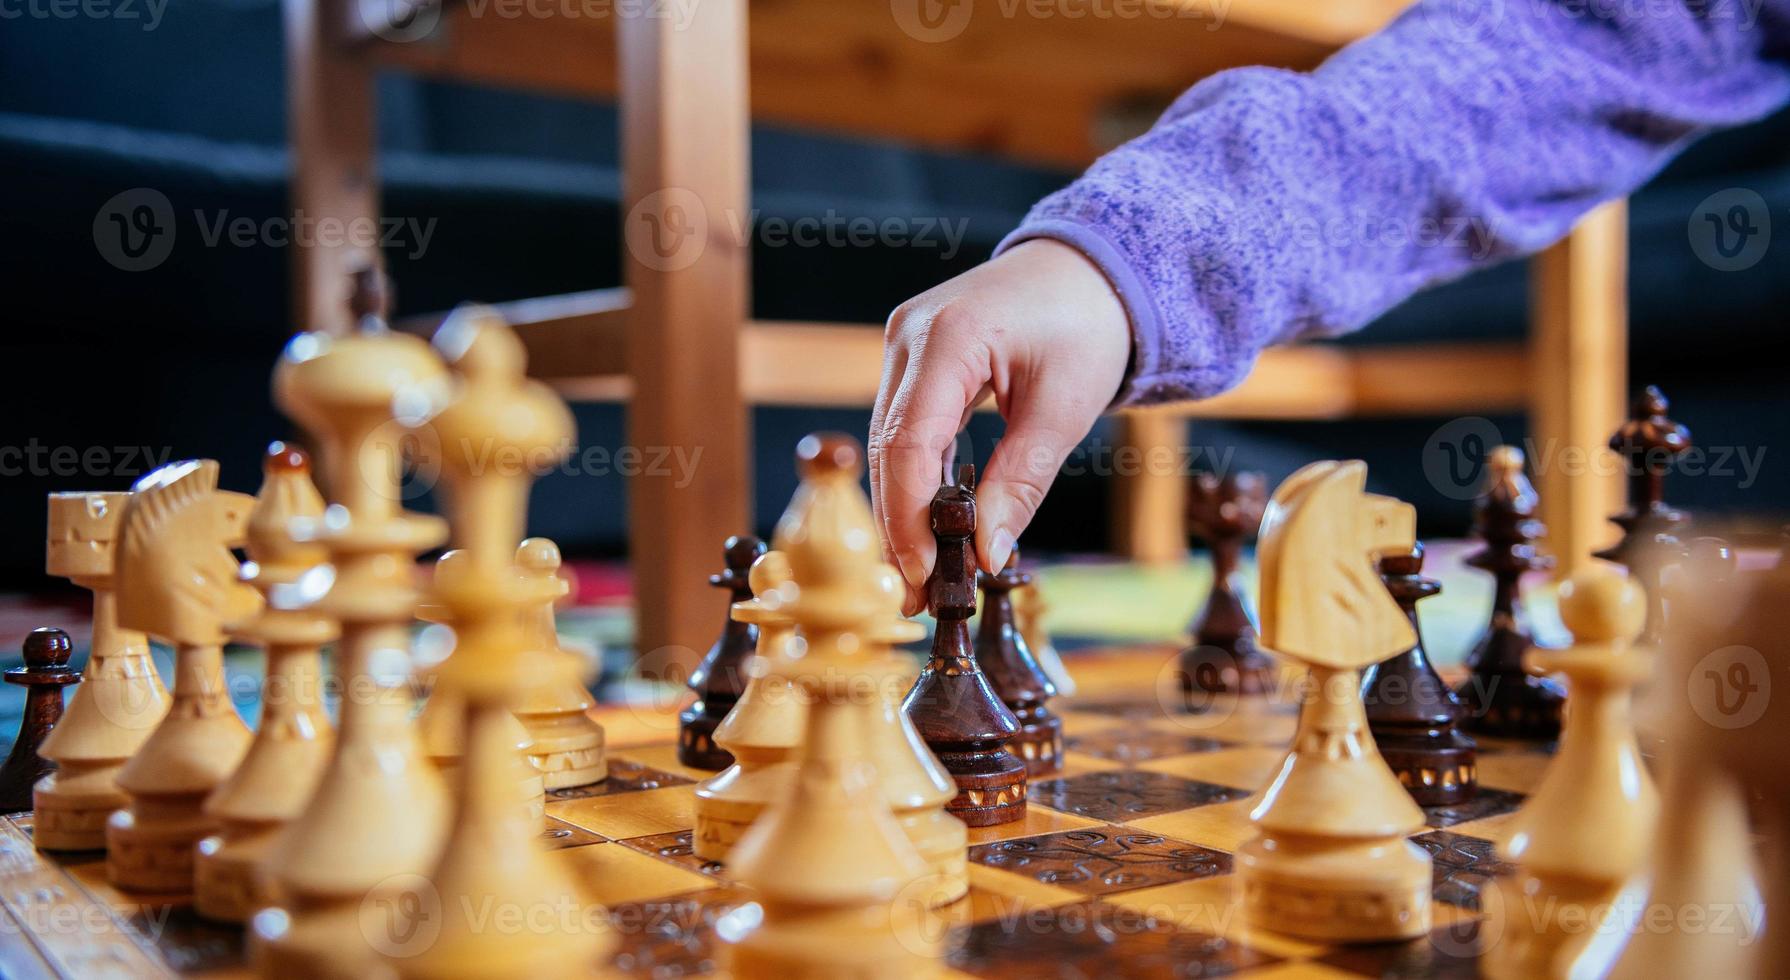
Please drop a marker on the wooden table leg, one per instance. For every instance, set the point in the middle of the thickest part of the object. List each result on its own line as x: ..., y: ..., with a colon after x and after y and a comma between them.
x: 1149, y: 488
x: 1578, y: 375
x: 685, y: 158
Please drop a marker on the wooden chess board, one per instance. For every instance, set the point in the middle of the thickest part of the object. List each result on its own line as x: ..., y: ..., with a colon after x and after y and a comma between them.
x: 1121, y: 868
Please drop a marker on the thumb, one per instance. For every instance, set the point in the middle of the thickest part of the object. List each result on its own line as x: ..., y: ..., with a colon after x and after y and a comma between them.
x: 1020, y: 473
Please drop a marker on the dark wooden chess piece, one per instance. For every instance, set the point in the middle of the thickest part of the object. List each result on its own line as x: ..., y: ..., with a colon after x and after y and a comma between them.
x: 1649, y: 443
x: 1224, y: 512
x: 721, y: 676
x: 1022, y: 685
x: 45, y: 673
x: 952, y: 705
x: 1500, y: 697
x: 1412, y: 714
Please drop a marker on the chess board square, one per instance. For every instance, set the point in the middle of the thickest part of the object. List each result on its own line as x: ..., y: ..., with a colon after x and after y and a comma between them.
x: 1245, y: 722
x: 1076, y: 720
x: 996, y: 894
x: 1103, y: 860
x: 610, y: 874
x: 1222, y: 826
x: 1091, y: 939
x: 671, y: 936
x: 1131, y: 745
x: 1076, y: 763
x: 1449, y: 952
x: 1210, y: 905
x: 1038, y: 820
x: 1248, y: 766
x: 624, y: 815
x: 662, y: 757
x: 1464, y: 866
x: 1121, y: 708
x: 187, y: 942
x: 560, y: 834
x: 678, y: 848
x: 625, y: 776
x: 1486, y: 803
x: 1120, y: 796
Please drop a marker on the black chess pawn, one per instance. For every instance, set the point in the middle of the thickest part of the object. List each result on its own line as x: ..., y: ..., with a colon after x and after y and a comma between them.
x: 1022, y: 685
x: 1412, y: 714
x: 1500, y: 697
x: 1224, y: 512
x: 45, y: 673
x: 1649, y: 443
x: 720, y: 678
x: 952, y: 705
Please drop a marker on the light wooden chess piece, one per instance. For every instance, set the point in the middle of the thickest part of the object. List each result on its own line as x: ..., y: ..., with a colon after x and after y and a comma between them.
x: 830, y: 862
x: 294, y: 739
x: 764, y: 729
x: 178, y: 580
x: 1029, y: 610
x: 442, y: 721
x: 379, y: 812
x: 120, y: 700
x: 1330, y: 861
x: 567, y: 742
x: 497, y: 425
x: 913, y: 779
x: 1587, y: 827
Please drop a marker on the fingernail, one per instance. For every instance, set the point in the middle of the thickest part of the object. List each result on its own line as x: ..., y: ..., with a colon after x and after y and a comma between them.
x: 999, y: 549
x: 909, y: 563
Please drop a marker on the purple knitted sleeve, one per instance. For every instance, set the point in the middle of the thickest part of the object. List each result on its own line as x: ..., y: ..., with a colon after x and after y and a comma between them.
x: 1267, y: 206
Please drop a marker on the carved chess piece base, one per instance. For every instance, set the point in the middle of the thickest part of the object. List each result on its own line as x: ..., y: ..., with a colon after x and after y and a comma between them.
x: 71, y: 807
x: 227, y: 873
x: 991, y: 786
x: 802, y: 943
x: 1544, y: 925
x: 728, y: 804
x: 1511, y: 705
x: 696, y: 746
x: 150, y: 846
x: 941, y: 840
x: 1434, y: 775
x: 1324, y: 889
x: 564, y: 759
x: 1039, y: 743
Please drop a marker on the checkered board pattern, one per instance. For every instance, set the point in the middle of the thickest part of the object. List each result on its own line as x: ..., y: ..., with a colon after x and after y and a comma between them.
x: 1122, y: 867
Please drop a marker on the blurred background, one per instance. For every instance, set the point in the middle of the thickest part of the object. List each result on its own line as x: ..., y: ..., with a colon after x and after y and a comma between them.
x: 504, y: 184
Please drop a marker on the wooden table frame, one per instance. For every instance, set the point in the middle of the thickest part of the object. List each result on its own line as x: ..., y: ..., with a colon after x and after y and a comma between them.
x: 685, y: 114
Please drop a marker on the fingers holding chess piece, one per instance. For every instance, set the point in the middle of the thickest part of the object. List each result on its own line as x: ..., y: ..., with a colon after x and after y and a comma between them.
x: 764, y: 730
x: 1329, y: 860
x: 121, y: 698
x: 720, y: 678
x: 565, y: 742
x: 43, y: 676
x: 294, y: 739
x: 952, y: 704
x: 1224, y: 511
x: 178, y: 580
x: 1586, y: 829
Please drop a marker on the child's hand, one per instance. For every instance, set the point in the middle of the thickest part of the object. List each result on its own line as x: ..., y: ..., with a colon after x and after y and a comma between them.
x: 1040, y: 328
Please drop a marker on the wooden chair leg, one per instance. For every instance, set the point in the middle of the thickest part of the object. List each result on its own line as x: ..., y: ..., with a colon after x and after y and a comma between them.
x: 1149, y: 489
x: 330, y: 106
x: 685, y: 122
x: 1578, y: 375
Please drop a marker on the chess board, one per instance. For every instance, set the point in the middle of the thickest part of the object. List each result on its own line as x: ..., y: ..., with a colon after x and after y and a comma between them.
x: 1122, y: 867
